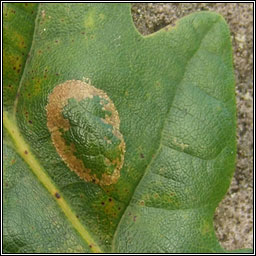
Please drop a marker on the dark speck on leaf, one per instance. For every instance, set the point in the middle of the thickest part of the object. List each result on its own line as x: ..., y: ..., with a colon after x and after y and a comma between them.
x: 141, y: 155
x: 110, y: 199
x: 102, y: 203
x: 26, y: 152
x: 30, y: 121
x: 57, y: 195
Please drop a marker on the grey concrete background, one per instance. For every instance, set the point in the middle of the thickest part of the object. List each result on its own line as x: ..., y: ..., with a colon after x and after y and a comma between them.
x: 234, y: 216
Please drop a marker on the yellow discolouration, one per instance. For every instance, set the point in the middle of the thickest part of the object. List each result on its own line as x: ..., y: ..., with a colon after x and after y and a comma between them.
x: 179, y: 144
x: 56, y: 123
x: 205, y: 228
x: 102, y: 16
x: 89, y: 21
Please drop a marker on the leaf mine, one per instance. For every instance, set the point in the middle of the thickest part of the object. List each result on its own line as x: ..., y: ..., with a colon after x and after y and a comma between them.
x: 84, y: 126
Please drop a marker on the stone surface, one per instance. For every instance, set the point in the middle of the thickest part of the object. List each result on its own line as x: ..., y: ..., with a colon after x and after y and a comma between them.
x: 234, y: 216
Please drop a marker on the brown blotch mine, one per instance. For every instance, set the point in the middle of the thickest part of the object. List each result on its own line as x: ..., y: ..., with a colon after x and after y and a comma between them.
x: 57, y: 100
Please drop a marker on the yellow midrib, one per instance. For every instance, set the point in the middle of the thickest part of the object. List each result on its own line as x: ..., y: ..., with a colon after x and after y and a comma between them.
x: 24, y: 151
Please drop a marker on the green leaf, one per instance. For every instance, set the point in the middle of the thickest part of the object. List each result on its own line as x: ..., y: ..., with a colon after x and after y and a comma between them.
x: 114, y: 141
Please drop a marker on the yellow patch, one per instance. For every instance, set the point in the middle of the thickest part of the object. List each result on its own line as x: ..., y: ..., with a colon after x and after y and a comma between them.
x: 89, y: 21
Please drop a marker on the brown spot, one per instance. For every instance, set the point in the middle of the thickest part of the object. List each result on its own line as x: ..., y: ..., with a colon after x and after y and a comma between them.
x: 102, y: 203
x: 142, y: 203
x: 43, y: 14
x: 57, y: 195
x: 30, y: 121
x: 26, y: 152
x: 119, y: 208
x: 77, y: 216
x: 56, y: 41
x: 83, y: 33
x: 57, y: 100
x: 141, y: 155
x: 90, y: 245
x: 110, y: 199
x: 134, y: 218
x: 14, y: 68
x: 18, y: 71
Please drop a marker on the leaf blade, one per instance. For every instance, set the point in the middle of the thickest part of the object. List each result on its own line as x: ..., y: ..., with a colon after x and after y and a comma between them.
x: 136, y: 72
